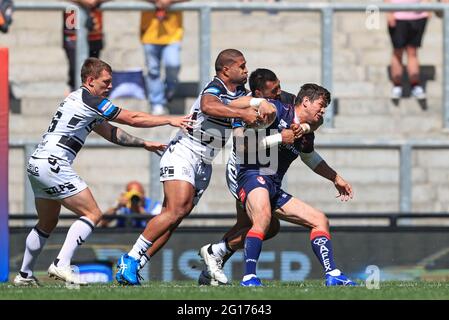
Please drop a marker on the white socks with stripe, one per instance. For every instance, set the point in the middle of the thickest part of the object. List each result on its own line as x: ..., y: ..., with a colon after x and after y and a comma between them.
x: 33, y: 246
x: 143, y: 261
x: 77, y: 235
x: 219, y: 249
x: 140, y: 248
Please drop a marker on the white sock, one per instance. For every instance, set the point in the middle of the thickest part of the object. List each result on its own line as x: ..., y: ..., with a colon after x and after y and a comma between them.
x: 77, y: 235
x: 219, y: 249
x: 334, y: 273
x: 33, y: 246
x: 248, y: 277
x: 143, y: 261
x: 140, y: 247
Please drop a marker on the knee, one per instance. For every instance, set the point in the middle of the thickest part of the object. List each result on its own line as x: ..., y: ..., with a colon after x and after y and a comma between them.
x: 95, y: 217
x: 171, y: 72
x: 412, y: 52
x: 322, y: 221
x: 261, y: 222
x: 274, y: 228
x: 178, y: 212
x: 154, y: 74
x: 47, y: 226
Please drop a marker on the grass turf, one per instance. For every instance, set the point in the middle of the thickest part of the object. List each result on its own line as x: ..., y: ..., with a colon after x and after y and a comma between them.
x: 189, y: 290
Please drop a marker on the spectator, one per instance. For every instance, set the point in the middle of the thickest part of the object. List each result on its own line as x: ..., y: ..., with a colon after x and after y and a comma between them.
x: 406, y: 29
x: 6, y: 10
x: 94, y: 25
x: 132, y: 201
x: 161, y: 33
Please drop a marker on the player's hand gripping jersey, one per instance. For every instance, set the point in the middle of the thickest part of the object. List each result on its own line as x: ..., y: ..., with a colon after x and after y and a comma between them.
x: 259, y: 161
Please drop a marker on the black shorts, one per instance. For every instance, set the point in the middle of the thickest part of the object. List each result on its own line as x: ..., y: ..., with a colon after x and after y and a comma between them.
x: 407, y: 33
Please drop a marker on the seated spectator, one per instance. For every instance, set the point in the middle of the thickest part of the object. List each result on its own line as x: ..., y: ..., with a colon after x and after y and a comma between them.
x: 406, y: 30
x: 132, y: 201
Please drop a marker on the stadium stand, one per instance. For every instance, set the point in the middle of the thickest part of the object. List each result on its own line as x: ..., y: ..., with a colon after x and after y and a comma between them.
x: 292, y: 49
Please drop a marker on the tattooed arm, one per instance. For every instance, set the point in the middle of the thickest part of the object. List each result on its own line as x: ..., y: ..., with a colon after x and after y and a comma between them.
x: 122, y: 138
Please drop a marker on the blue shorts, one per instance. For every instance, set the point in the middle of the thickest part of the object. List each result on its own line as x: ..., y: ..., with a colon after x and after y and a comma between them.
x: 250, y: 180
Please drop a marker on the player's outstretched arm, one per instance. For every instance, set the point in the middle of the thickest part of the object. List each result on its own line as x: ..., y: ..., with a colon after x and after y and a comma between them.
x: 265, y: 109
x: 344, y: 189
x: 145, y: 120
x: 212, y: 106
x: 122, y: 138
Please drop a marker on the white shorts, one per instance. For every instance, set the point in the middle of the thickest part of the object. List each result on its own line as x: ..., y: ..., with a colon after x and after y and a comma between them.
x: 231, y: 175
x: 180, y: 163
x: 53, y: 178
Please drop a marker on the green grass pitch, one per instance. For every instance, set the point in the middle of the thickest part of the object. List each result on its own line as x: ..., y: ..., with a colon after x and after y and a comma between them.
x: 189, y: 290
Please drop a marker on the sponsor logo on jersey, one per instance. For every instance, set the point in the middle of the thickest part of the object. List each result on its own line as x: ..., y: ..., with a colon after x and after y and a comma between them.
x: 186, y: 172
x: 32, y: 169
x: 261, y: 180
x: 60, y: 188
x: 282, y: 124
x: 167, y: 171
x: 242, y: 195
x: 106, y: 107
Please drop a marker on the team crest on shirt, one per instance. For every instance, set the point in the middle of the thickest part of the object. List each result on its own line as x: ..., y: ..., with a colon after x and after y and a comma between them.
x: 261, y: 180
x: 185, y: 172
x: 282, y: 124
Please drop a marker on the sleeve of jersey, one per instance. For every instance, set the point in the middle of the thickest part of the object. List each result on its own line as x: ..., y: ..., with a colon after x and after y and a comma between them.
x: 108, y: 110
x: 101, y: 106
x: 307, y: 142
x: 280, y: 110
x: 213, y: 90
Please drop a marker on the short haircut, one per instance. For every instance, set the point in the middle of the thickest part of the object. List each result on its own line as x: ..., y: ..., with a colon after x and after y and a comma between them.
x: 226, y: 58
x: 313, y: 92
x: 93, y: 67
x: 259, y: 77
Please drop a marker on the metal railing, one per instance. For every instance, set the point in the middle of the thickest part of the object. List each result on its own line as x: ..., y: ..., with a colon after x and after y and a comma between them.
x: 404, y: 147
x: 327, y: 11
x: 361, y: 222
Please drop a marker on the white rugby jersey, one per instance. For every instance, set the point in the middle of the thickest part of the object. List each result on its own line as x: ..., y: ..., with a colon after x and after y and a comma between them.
x: 210, y: 134
x: 74, y: 119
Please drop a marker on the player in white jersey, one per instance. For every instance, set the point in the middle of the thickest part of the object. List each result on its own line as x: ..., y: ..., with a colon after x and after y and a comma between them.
x: 186, y: 164
x: 52, y: 177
